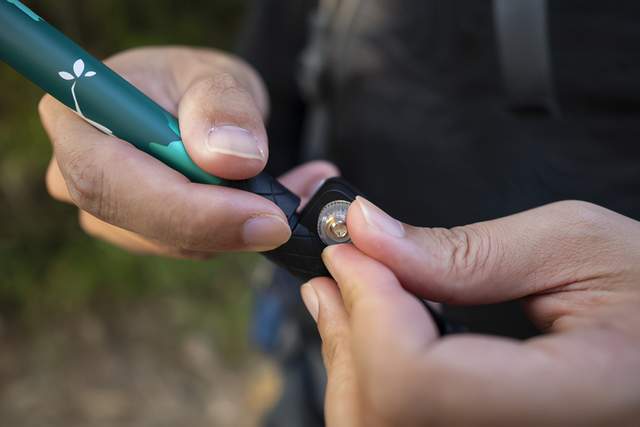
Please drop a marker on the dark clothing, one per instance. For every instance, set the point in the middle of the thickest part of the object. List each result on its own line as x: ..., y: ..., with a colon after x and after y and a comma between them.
x: 419, y: 118
x: 421, y: 107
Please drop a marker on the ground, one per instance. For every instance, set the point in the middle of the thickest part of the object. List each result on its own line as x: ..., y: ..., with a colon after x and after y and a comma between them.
x: 136, y: 366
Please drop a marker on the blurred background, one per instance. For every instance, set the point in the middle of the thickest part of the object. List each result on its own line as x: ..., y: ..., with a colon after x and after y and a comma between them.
x: 91, y: 335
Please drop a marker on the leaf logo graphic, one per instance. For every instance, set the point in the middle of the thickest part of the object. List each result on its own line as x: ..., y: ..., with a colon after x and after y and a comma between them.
x: 78, y: 70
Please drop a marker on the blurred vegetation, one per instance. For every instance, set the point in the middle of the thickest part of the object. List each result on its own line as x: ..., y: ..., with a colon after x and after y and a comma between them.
x: 48, y: 267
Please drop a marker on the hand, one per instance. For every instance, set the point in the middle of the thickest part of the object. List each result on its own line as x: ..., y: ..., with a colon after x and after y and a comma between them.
x: 133, y: 200
x: 576, y: 266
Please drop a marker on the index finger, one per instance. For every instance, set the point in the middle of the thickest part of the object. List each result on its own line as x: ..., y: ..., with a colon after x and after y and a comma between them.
x: 377, y: 304
x: 124, y: 186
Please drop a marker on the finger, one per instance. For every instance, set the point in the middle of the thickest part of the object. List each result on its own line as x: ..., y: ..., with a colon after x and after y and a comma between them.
x: 376, y: 302
x: 220, y: 118
x: 523, y: 254
x: 112, y: 234
x: 131, y: 241
x: 322, y: 298
x: 125, y: 187
x: 56, y: 186
x: 305, y: 180
x: 389, y: 327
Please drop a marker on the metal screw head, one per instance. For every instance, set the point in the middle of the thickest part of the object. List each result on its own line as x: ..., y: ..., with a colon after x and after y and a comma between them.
x: 338, y: 229
x: 332, y: 223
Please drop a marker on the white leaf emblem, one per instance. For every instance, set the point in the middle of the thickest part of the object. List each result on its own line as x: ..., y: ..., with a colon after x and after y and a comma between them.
x: 78, y: 67
x: 66, y: 75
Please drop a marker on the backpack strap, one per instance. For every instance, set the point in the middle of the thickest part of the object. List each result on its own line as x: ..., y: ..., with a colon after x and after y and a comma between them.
x: 322, y: 68
x: 314, y: 79
x: 523, y: 39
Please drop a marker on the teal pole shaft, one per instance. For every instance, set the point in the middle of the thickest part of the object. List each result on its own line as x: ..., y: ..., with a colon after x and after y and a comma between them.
x: 84, y: 84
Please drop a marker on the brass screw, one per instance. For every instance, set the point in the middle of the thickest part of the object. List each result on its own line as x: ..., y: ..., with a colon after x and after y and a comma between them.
x: 337, y: 228
x: 332, y: 223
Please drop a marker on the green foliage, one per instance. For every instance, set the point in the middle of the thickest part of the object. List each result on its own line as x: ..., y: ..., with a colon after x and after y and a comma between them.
x: 47, y: 264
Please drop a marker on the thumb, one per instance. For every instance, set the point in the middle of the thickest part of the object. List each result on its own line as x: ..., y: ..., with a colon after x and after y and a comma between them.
x: 221, y: 118
x: 499, y: 260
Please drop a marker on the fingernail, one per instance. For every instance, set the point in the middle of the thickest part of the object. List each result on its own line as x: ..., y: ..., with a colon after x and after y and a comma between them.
x: 234, y: 141
x: 378, y: 219
x: 310, y: 299
x: 265, y: 232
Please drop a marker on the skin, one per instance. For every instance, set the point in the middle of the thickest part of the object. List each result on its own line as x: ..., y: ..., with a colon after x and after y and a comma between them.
x: 132, y: 200
x: 576, y: 268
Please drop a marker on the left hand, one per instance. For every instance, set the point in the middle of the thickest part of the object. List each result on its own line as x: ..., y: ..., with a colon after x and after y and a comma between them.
x: 576, y: 266
x: 130, y: 199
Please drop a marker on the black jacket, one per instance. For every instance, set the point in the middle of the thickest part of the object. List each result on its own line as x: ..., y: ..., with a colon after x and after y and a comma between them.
x: 420, y: 123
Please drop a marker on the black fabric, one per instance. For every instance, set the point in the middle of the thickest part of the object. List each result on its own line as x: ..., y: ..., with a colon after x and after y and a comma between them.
x: 420, y: 123
x: 522, y: 34
x: 274, y: 35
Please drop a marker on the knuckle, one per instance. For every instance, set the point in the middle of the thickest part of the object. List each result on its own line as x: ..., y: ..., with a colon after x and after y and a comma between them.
x: 582, y: 222
x: 592, y: 232
x: 86, y: 183
x: 223, y: 82
x: 583, y: 213
x: 237, y: 99
x: 466, y: 252
x: 222, y: 98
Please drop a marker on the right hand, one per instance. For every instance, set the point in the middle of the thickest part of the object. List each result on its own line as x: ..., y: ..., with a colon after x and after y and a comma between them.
x: 574, y: 265
x: 129, y: 198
